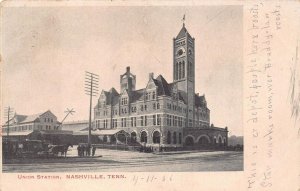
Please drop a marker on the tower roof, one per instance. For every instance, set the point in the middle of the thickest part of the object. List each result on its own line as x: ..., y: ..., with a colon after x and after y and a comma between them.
x: 182, y: 32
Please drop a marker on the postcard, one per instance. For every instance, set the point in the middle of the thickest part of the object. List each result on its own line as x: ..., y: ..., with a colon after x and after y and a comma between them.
x: 148, y: 95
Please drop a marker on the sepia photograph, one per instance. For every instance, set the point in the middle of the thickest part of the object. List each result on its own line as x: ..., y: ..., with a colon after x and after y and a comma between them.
x: 122, y: 89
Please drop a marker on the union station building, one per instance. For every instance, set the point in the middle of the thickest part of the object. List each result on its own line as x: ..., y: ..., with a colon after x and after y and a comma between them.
x: 162, y: 113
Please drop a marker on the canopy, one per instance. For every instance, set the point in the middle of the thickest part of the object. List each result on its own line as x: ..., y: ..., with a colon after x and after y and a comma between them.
x: 109, y: 132
x: 18, y: 133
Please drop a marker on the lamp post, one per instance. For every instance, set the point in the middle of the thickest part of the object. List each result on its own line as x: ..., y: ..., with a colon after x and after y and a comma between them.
x: 91, y: 89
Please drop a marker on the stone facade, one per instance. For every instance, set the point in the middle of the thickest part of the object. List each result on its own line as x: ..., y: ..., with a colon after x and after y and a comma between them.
x: 162, y: 113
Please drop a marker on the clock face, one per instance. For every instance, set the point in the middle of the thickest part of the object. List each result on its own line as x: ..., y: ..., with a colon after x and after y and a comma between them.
x: 180, y: 52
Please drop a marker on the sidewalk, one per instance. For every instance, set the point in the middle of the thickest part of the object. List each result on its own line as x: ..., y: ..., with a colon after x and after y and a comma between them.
x: 181, y: 152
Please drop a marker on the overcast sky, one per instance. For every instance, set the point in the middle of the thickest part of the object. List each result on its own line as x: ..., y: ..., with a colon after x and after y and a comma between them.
x: 46, y: 52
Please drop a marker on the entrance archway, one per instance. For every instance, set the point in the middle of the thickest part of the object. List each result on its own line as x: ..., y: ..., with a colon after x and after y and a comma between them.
x: 144, y: 137
x: 133, y: 137
x: 189, y: 141
x: 156, y: 137
x: 203, y: 140
x: 169, y: 137
x: 220, y: 141
x: 174, y: 138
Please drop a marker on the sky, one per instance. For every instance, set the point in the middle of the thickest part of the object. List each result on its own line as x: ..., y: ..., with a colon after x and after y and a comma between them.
x: 46, y: 51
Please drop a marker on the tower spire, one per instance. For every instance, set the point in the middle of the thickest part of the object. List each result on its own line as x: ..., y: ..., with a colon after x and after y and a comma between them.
x: 183, y: 20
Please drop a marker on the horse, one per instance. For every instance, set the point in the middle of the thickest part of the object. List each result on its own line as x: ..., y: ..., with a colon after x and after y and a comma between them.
x: 62, y: 149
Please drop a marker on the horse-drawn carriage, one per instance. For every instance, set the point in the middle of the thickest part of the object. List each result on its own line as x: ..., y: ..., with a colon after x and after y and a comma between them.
x: 32, y: 149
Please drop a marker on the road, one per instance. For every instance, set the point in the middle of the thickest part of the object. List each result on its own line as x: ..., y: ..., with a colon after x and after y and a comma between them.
x: 126, y: 161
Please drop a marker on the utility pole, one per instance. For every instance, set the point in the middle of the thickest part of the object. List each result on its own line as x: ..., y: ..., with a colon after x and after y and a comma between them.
x: 8, y: 113
x: 91, y: 89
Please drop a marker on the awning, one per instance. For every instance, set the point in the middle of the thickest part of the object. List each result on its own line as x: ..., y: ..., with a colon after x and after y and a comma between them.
x: 59, y: 132
x: 109, y: 132
x: 102, y: 132
x: 19, y: 133
x: 80, y: 133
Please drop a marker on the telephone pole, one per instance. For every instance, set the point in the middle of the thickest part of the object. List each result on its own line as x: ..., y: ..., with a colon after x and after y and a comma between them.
x: 91, y: 89
x: 8, y: 113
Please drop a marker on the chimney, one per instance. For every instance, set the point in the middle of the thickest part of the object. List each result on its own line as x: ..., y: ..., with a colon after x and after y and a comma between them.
x: 127, y: 69
x: 151, y: 75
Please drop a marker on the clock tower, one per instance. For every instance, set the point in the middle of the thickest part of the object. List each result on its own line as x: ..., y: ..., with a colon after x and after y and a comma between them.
x: 184, y: 70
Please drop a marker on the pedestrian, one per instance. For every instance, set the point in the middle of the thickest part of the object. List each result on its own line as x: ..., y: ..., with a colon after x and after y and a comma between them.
x: 78, y: 150
x: 88, y: 150
x: 82, y: 150
x: 85, y: 150
x: 94, y: 150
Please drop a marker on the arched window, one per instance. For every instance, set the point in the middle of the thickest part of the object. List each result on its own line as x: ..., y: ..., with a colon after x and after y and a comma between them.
x: 179, y: 71
x: 156, y: 137
x: 169, y: 137
x: 144, y: 137
x: 174, y: 138
x: 179, y: 138
x: 158, y: 106
x: 176, y: 71
x: 183, y: 69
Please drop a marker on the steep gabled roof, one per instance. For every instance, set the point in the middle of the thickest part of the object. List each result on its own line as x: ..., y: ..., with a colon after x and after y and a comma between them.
x: 112, y: 97
x: 19, y: 119
x: 113, y: 91
x: 163, y: 86
x: 137, y: 95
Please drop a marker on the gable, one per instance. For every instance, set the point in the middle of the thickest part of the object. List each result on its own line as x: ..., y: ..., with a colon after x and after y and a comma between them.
x: 151, y: 84
x: 48, y: 114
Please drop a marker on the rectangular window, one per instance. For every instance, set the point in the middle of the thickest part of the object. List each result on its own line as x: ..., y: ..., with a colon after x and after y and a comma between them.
x: 135, y: 121
x: 115, y: 123
x: 158, y: 119
x: 154, y: 119
x: 124, y: 122
x: 145, y: 120
x: 154, y: 106
x: 153, y: 95
x: 190, y: 123
x: 142, y: 120
x: 173, y: 117
x: 169, y: 120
